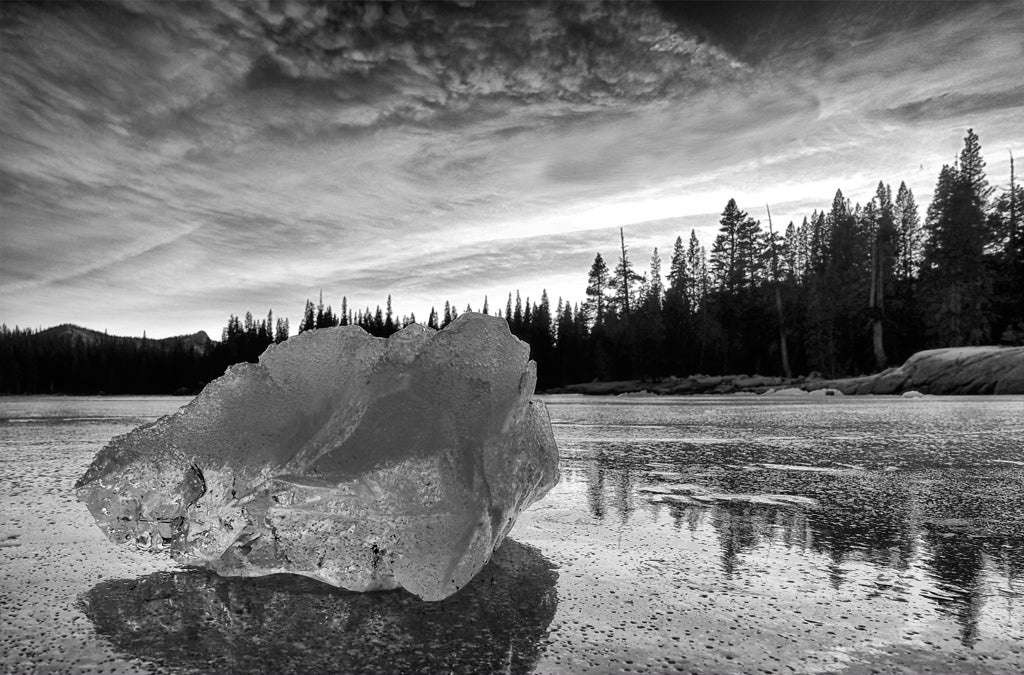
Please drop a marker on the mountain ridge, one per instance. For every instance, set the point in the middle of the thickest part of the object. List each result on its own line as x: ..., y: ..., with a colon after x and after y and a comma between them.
x: 200, y: 340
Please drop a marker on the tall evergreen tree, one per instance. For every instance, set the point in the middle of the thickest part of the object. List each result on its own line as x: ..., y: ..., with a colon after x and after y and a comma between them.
x: 517, y: 316
x: 790, y: 264
x: 775, y: 251
x: 883, y: 255
x: 650, y: 325
x: 677, y: 310
x: 1006, y: 224
x: 955, y: 279
x: 655, y: 286
x: 389, y: 321
x: 308, y: 318
x: 696, y: 272
x: 678, y: 274
x: 597, y: 288
x: 736, y: 253
x: 319, y: 320
x: 542, y: 341
x: 908, y: 235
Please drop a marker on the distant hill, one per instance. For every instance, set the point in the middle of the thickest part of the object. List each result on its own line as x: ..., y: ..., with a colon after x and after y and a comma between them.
x: 71, y: 334
x: 70, y: 359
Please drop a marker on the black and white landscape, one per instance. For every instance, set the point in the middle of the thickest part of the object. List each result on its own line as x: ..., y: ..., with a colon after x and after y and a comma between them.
x: 783, y: 239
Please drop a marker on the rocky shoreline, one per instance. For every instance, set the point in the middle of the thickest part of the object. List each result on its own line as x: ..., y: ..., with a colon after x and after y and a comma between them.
x: 949, y: 371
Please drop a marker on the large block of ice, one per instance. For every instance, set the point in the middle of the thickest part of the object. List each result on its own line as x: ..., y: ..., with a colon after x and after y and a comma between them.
x: 364, y: 462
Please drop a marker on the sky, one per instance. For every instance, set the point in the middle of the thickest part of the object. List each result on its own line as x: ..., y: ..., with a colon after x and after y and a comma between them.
x: 164, y: 165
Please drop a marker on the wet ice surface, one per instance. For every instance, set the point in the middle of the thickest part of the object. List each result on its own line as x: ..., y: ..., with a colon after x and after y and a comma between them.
x: 713, y: 535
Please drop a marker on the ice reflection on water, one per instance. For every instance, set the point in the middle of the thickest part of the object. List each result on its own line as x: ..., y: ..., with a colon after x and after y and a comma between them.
x: 910, y: 498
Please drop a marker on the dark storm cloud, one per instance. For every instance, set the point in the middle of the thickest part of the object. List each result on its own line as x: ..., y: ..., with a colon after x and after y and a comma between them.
x: 204, y: 153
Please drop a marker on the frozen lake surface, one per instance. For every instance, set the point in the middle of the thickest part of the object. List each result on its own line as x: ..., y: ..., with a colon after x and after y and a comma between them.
x: 697, y: 534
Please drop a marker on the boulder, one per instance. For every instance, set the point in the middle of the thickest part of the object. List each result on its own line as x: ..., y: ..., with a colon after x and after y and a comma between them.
x: 954, y: 370
x: 364, y: 462
x: 967, y: 370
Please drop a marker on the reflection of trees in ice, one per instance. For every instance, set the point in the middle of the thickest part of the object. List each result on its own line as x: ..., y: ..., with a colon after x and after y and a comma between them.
x: 953, y: 528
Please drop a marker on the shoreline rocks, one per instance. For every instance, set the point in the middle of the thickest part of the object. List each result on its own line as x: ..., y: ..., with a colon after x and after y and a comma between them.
x: 948, y: 371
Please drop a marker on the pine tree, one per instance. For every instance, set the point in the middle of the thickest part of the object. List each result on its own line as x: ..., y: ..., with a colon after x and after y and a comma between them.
x: 775, y: 244
x: 736, y: 252
x: 845, y: 285
x: 818, y: 250
x: 328, y: 320
x: 954, y: 277
x: 790, y: 263
x: 308, y: 318
x: 389, y: 321
x: 517, y: 316
x: 542, y: 321
x: 378, y: 323
x: 447, y: 314
x: 566, y: 346
x: 678, y: 275
x: 678, y: 309
x: 597, y: 287
x: 281, y: 330
x: 972, y: 171
x: 908, y: 235
x: 650, y: 327
x: 542, y: 341
x: 883, y: 254
x: 1006, y: 225
x: 319, y: 321
x: 696, y: 265
x: 655, y: 286
x: 432, y: 319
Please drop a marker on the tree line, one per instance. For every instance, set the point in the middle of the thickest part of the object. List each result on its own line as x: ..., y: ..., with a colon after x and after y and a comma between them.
x: 849, y: 290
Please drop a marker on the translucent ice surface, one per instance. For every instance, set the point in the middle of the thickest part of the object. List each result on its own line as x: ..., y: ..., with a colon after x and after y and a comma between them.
x: 364, y: 462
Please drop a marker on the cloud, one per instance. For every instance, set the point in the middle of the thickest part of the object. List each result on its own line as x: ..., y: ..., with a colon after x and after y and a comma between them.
x: 220, y: 154
x: 955, y: 106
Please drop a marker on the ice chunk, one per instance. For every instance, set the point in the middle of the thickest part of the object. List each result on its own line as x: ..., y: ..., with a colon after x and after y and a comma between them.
x: 367, y: 463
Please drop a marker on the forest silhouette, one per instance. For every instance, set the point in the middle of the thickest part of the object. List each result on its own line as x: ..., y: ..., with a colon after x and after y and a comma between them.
x: 847, y: 291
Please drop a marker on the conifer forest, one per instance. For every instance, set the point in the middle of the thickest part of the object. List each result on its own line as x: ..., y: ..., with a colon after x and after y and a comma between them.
x: 851, y: 289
